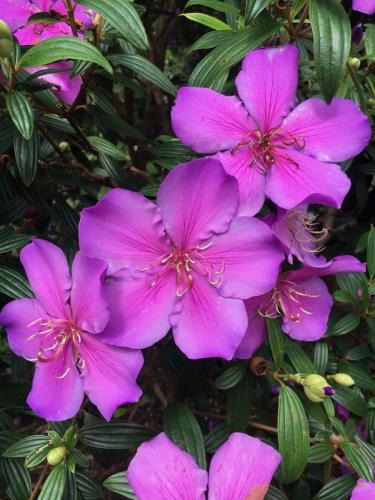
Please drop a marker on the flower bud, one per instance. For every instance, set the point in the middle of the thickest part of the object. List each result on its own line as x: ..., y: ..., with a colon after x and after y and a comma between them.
x: 6, y: 40
x: 343, y: 379
x: 56, y: 456
x: 317, y: 388
x: 354, y: 62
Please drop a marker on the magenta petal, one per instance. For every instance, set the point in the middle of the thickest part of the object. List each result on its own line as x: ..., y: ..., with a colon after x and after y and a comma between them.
x: 333, y: 132
x: 109, y: 374
x: 16, y: 12
x: 162, y: 471
x: 208, y: 121
x: 364, y: 490
x: 48, y: 273
x: 81, y: 13
x: 313, y: 323
x: 242, y: 468
x: 251, y: 181
x: 207, y: 325
x: 55, y: 398
x: 256, y: 332
x: 67, y: 88
x: 123, y: 229
x: 267, y: 84
x: 88, y: 303
x: 250, y: 256
x: 340, y: 264
x: 197, y: 200
x: 298, y: 178
x: 17, y: 318
x: 139, y: 310
x: 365, y: 6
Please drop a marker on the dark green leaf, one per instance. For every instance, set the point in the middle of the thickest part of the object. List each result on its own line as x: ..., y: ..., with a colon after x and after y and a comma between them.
x: 277, y: 341
x: 353, y: 401
x: 114, y: 435
x: 357, y: 460
x: 24, y: 446
x: 214, y: 4
x: 321, y: 357
x: 13, y: 284
x: 371, y: 252
x: 103, y: 146
x: 239, y: 401
x: 321, y: 452
x: 21, y: 112
x: 27, y: 155
x: 206, y: 20
x: 17, y: 478
x: 119, y: 484
x: 53, y: 487
x: 254, y: 8
x: 338, y: 488
x: 346, y: 324
x: 88, y: 488
x: 11, y: 241
x: 275, y: 494
x: 231, y: 377
x: 300, y: 360
x: 216, y: 437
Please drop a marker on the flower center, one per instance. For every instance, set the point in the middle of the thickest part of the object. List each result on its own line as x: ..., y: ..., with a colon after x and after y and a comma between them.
x: 306, y: 230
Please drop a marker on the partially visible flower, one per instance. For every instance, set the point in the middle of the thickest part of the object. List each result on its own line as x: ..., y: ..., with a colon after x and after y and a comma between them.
x: 365, y: 6
x: 287, y: 156
x: 242, y: 468
x: 186, y: 262
x: 357, y: 34
x: 364, y: 490
x: 60, y: 331
x: 302, y: 300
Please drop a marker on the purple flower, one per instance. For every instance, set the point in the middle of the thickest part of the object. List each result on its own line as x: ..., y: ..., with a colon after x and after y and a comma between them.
x: 303, y: 301
x: 241, y: 468
x: 185, y: 262
x: 365, y: 6
x: 59, y: 330
x: 291, y: 160
x: 364, y: 490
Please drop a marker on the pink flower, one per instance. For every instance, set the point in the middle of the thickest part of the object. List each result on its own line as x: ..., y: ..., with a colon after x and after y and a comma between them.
x: 286, y: 156
x: 302, y: 300
x: 185, y: 262
x: 364, y: 490
x: 60, y: 331
x: 242, y: 468
x: 365, y: 6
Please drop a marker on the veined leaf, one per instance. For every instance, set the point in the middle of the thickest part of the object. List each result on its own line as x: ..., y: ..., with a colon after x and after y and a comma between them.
x: 357, y: 460
x: 119, y: 484
x: 114, y: 435
x: 53, y: 488
x: 254, y: 8
x: 206, y: 20
x: 21, y: 112
x: 277, y: 341
x: 26, y: 152
x: 13, y: 284
x: 216, y: 5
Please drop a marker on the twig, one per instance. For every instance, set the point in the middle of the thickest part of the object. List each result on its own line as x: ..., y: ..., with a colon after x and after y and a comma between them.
x: 72, y: 21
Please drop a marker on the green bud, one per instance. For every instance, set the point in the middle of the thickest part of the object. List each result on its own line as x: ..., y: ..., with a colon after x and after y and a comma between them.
x: 312, y: 397
x: 354, y: 62
x: 56, y: 456
x: 371, y: 101
x: 6, y: 40
x: 343, y: 379
x: 316, y: 388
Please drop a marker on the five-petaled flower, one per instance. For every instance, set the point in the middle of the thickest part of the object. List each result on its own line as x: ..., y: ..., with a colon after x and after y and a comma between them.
x: 186, y: 262
x: 287, y: 156
x: 302, y: 300
x: 242, y: 468
x: 60, y: 331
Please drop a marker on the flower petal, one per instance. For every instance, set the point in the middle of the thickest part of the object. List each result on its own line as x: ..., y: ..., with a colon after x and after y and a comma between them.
x: 330, y: 132
x: 364, y: 490
x: 250, y: 257
x: 340, y: 264
x: 139, y: 310
x: 242, y: 468
x: 313, y: 323
x: 298, y: 178
x: 67, y: 87
x: 55, y: 398
x: 196, y: 200
x: 208, y: 121
x: 267, y: 84
x: 89, y: 306
x: 48, y: 273
x: 365, y: 6
x: 206, y: 325
x: 256, y: 332
x: 160, y: 471
x: 18, y: 317
x: 81, y: 13
x: 251, y: 181
x: 16, y: 12
x: 109, y: 374
x: 123, y: 229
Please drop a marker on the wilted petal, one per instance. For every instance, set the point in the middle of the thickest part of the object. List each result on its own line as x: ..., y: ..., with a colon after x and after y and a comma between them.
x: 139, y: 309
x: 364, y: 490
x: 20, y: 319
x: 249, y: 256
x: 330, y: 132
x: 256, y: 332
x: 251, y: 181
x: 206, y: 325
x: 242, y: 468
x: 208, y: 121
x: 162, y: 471
x: 365, y: 6
x: 89, y: 305
x: 197, y: 200
x: 267, y: 84
x: 48, y: 273
x: 123, y: 229
x: 55, y: 398
x: 340, y: 264
x: 298, y: 178
x: 16, y: 12
x: 109, y: 374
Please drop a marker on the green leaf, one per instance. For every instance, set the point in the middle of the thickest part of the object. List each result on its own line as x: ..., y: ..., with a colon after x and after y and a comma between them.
x: 321, y: 452
x: 367, y: 448
x: 38, y: 455
x: 21, y: 112
x: 370, y: 40
x: 360, y: 374
x: 24, y: 446
x: 300, y: 360
x: 275, y: 494
x: 11, y: 241
x: 338, y: 488
x: 321, y: 357
x: 105, y: 147
x: 293, y: 435
x: 16, y: 478
x: 346, y: 324
x: 123, y: 16
x: 210, y: 40
x: 114, y: 435
x: 371, y: 252
x: 13, y: 284
x: 145, y: 69
x: 216, y: 437
x: 113, y: 169
x: 231, y: 52
x: 53, y: 487
x: 332, y: 39
x: 353, y: 401
x: 254, y: 8
x: 357, y: 460
x: 183, y: 429
x: 231, y: 377
x: 88, y: 488
x: 63, y: 47
x: 239, y: 401
x: 119, y: 484
x: 206, y: 20
x: 216, y: 5
x: 277, y: 341
x: 27, y: 156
